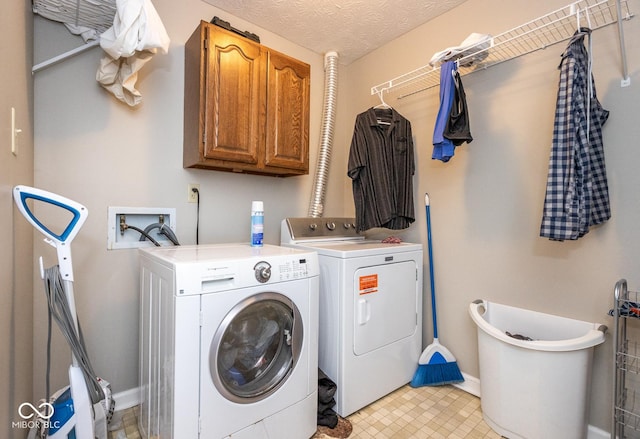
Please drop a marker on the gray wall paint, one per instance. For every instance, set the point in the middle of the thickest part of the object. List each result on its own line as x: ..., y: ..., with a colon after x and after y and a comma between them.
x: 95, y: 150
x: 486, y: 202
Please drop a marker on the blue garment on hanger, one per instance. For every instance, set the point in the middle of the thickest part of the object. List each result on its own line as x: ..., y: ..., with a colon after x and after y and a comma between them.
x: 443, y: 149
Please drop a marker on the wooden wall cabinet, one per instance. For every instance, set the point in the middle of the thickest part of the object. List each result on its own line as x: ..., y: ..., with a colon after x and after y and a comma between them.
x: 246, y: 106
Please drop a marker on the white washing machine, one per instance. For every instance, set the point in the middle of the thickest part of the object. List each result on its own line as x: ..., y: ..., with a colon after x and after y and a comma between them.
x: 370, y: 333
x: 228, y: 342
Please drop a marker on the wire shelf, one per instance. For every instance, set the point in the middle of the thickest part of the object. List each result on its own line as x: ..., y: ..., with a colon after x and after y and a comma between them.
x: 555, y: 27
x: 85, y: 13
x: 626, y: 401
x: 91, y: 18
x: 628, y: 358
x: 627, y: 404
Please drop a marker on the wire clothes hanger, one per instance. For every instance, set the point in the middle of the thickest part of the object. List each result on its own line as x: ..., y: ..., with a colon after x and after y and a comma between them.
x: 581, y: 32
x: 382, y: 103
x: 382, y: 106
x: 580, y: 29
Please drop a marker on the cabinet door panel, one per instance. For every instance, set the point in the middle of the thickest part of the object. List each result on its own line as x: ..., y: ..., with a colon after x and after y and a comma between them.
x: 233, y: 110
x: 287, y: 137
x: 246, y: 107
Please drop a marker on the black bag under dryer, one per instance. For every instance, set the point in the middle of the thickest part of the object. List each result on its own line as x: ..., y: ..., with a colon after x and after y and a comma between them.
x: 326, y: 391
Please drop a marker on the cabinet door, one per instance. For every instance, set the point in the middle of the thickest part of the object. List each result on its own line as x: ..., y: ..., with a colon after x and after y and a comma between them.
x: 287, y: 136
x: 233, y: 116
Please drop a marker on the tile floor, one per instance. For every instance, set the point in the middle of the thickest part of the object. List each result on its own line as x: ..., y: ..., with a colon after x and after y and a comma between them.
x: 425, y: 412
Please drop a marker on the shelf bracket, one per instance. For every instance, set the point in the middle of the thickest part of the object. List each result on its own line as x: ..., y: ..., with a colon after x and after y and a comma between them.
x: 626, y: 80
x: 65, y: 55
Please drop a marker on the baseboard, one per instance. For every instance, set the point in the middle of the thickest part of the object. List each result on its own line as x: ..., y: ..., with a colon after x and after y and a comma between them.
x: 471, y: 385
x: 127, y: 399
x: 596, y: 433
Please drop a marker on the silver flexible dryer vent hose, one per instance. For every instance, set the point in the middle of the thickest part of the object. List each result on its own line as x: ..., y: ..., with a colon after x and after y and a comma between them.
x: 316, y: 207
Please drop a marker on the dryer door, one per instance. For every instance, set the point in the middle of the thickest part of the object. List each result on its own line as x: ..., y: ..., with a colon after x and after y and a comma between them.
x: 256, y: 347
x: 385, y: 305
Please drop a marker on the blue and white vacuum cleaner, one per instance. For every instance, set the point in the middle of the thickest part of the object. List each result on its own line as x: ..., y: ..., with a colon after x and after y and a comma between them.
x: 82, y: 409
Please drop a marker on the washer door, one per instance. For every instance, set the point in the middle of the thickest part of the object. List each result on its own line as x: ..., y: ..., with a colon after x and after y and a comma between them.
x: 256, y: 347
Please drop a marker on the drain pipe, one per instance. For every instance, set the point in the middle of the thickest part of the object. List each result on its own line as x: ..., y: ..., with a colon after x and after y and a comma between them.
x: 316, y: 207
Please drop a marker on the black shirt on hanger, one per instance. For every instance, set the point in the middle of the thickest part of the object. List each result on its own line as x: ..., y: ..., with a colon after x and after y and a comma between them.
x: 381, y: 166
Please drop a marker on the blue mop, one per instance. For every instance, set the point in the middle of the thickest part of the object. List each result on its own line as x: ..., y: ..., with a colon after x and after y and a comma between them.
x: 437, y: 365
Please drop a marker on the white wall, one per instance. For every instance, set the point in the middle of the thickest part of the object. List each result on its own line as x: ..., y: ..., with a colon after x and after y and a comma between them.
x: 95, y: 150
x: 486, y: 203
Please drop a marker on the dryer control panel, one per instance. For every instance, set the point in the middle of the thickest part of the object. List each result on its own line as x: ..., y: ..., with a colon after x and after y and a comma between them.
x: 306, y: 229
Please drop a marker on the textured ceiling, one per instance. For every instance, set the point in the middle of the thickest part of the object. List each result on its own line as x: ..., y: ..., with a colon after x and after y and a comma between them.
x: 352, y: 28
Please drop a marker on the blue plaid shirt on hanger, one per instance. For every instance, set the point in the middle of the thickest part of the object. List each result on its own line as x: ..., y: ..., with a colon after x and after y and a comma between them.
x: 577, y: 194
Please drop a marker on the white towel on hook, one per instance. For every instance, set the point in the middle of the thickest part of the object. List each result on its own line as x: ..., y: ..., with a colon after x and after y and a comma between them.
x: 474, y: 43
x: 136, y: 35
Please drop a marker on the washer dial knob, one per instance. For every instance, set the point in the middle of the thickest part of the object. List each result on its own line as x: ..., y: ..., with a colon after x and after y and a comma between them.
x: 262, y: 271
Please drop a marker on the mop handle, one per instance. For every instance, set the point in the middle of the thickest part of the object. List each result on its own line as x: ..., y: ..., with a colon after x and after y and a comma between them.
x: 430, y: 250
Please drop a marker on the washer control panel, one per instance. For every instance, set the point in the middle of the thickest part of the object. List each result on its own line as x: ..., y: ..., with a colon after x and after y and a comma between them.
x: 293, y: 269
x: 223, y: 267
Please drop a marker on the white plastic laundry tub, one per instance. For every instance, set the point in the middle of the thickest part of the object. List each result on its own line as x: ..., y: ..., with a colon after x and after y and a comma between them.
x: 539, y: 388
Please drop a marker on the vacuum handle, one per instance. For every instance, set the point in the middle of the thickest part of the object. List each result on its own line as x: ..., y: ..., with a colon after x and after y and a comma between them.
x: 62, y: 241
x: 78, y: 211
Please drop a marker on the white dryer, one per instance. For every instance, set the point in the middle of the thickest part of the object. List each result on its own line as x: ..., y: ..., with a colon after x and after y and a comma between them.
x: 370, y: 333
x: 228, y: 342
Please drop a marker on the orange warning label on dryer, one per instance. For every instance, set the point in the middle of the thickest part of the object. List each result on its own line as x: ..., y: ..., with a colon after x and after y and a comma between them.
x: 368, y: 284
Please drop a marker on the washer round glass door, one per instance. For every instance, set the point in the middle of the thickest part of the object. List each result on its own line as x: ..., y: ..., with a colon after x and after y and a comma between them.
x: 256, y: 347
